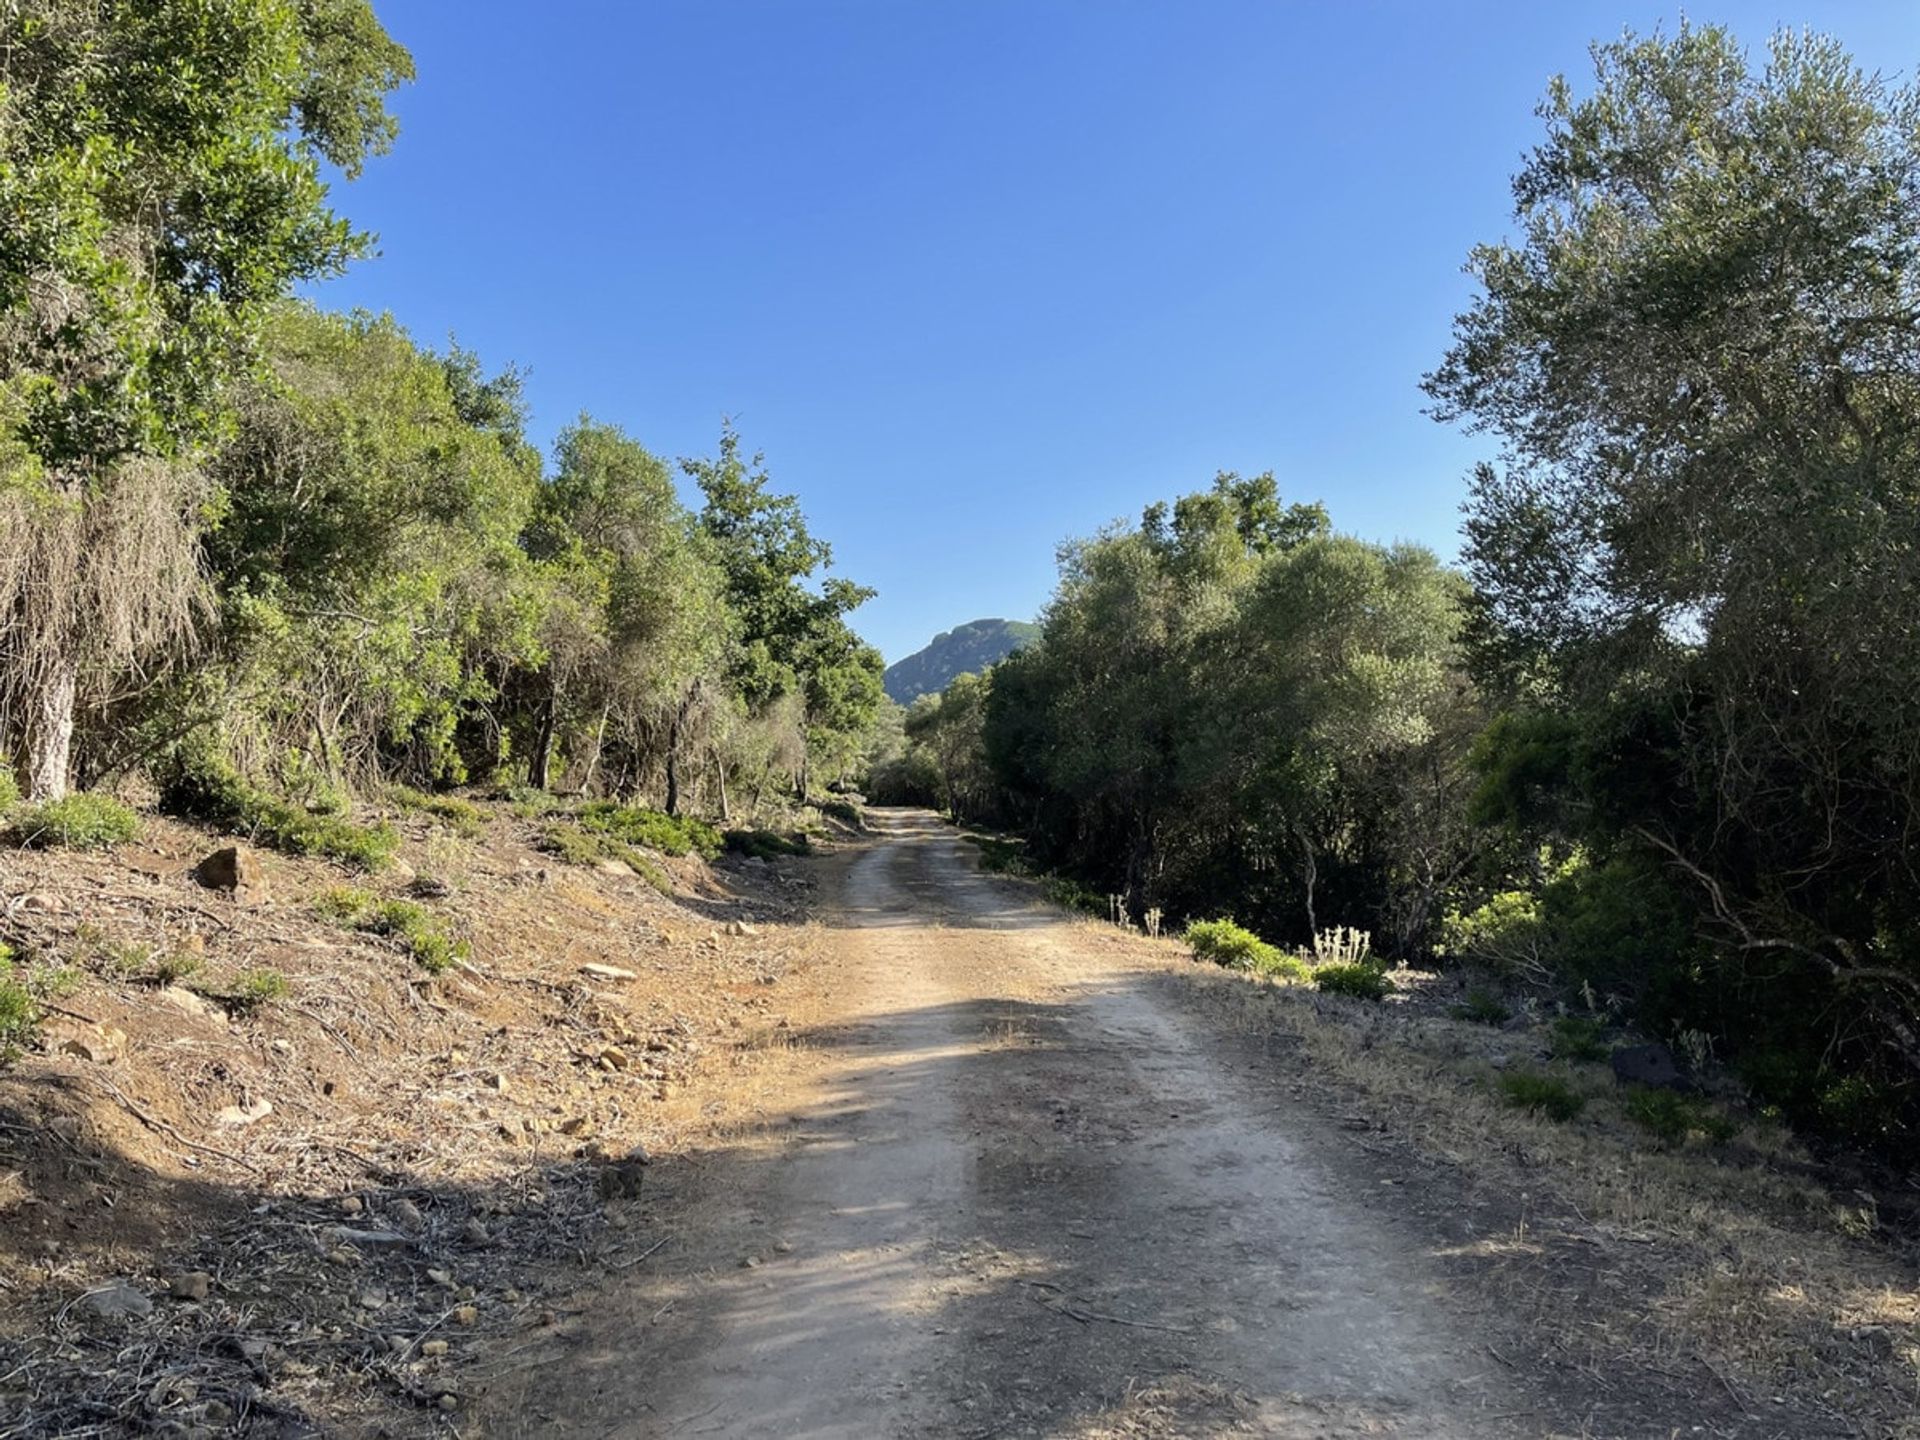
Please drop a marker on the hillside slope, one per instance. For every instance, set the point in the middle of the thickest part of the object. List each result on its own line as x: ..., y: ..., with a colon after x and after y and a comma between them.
x: 969, y: 647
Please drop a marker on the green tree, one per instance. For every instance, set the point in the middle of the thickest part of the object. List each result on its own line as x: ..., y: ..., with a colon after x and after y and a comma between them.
x: 160, y: 166
x: 1701, y: 358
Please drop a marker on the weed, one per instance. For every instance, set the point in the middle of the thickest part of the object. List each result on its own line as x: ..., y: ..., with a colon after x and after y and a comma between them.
x: 462, y: 816
x: 253, y: 988
x: 1673, y: 1118
x: 1231, y: 946
x: 9, y: 789
x: 1072, y: 895
x: 169, y: 967
x: 1576, y: 1037
x: 76, y: 822
x: 19, y: 1010
x: 344, y: 904
x: 426, y: 941
x: 212, y: 791
x: 1357, y: 981
x: 767, y: 844
x: 1542, y: 1095
x: 655, y: 829
x: 1282, y: 966
x: 530, y: 804
x: 1483, y: 1007
x: 121, y: 959
x: 1343, y: 945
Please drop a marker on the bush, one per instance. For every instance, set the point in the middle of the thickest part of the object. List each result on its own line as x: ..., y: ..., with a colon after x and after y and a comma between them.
x: 1359, y: 982
x: 998, y: 856
x: 9, y: 790
x: 75, y: 822
x: 344, y: 904
x: 1482, y: 1007
x: 845, y: 811
x: 1072, y: 895
x: 253, y: 988
x: 1542, y: 1095
x: 1575, y: 1037
x: 767, y: 844
x: 1674, y: 1118
x: 654, y: 829
x: 531, y: 804
x: 1235, y: 948
x: 462, y: 816
x: 19, y: 1010
x: 412, y: 923
x: 208, y: 789
x: 170, y: 966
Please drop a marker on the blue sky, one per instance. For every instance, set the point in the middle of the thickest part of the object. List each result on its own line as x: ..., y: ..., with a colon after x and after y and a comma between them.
x: 981, y: 276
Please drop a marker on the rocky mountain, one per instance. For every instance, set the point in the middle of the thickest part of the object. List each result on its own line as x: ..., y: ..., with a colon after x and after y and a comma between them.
x: 969, y: 647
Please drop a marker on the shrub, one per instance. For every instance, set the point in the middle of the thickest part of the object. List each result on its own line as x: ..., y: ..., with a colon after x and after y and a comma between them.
x: 1542, y: 1095
x: 1281, y: 966
x: 9, y: 790
x: 204, y: 787
x: 75, y: 822
x: 463, y: 816
x: 1072, y: 895
x: 998, y: 856
x: 1483, y: 1007
x: 845, y: 811
x: 417, y: 927
x: 767, y: 844
x: 1357, y: 981
x: 19, y: 1010
x: 1230, y: 946
x: 655, y: 829
x: 253, y: 988
x: 171, y: 966
x: 344, y: 904
x: 1575, y: 1037
x: 1673, y: 1118
x: 530, y: 804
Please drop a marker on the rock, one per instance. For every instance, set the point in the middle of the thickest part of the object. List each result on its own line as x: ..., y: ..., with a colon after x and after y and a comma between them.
x: 342, y: 1257
x: 119, y: 1298
x: 496, y: 1082
x: 193, y: 1285
x: 740, y: 927
x: 465, y: 1315
x: 749, y: 1262
x: 252, y: 1114
x: 576, y: 1125
x: 99, y: 1044
x: 608, y: 972
x: 1498, y: 1062
x: 370, y: 1300
x: 178, y: 997
x: 433, y: 1349
x: 406, y: 1214
x: 783, y: 1247
x: 234, y: 870
x: 442, y: 1278
x: 612, y: 1057
x: 619, y: 1181
x: 369, y: 1239
x: 448, y: 1401
x: 1650, y: 1065
x: 428, y: 887
x: 350, y: 1205
x: 400, y: 871
x: 474, y: 1233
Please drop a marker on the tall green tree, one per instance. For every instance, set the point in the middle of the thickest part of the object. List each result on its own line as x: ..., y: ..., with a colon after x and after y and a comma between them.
x: 160, y: 171
x: 1701, y: 545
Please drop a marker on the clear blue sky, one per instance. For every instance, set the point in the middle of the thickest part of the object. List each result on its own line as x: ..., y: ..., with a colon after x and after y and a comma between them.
x: 984, y: 274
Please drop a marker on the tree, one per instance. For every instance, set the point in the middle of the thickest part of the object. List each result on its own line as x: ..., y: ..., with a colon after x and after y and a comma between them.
x: 160, y: 170
x: 1702, y: 541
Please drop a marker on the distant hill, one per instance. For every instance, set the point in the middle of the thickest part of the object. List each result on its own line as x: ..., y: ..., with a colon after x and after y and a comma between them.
x: 969, y: 647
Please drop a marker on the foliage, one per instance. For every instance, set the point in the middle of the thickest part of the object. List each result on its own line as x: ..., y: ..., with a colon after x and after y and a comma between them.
x: 463, y: 816
x: 1230, y: 946
x: 767, y: 844
x: 420, y: 931
x: 19, y: 1009
x: 252, y: 989
x: 1673, y: 1118
x: 206, y: 788
x: 671, y: 835
x: 75, y: 822
x: 9, y: 790
x: 1546, y: 1095
x: 1358, y: 982
x: 1482, y: 1007
x: 1577, y: 1037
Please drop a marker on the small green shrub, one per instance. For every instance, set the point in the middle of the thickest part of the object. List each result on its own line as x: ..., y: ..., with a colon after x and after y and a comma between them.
x: 1358, y: 982
x: 75, y: 822
x: 1542, y: 1095
x: 766, y: 844
x: 845, y: 811
x: 1072, y: 895
x: 344, y: 904
x: 462, y: 816
x: 1576, y: 1037
x: 169, y: 967
x: 208, y: 788
x: 19, y: 1010
x: 1281, y: 966
x: 253, y: 988
x: 426, y: 941
x: 9, y: 789
x: 1673, y: 1118
x: 119, y: 959
x: 528, y: 803
x: 1483, y: 1007
x: 1231, y: 946
x: 654, y: 829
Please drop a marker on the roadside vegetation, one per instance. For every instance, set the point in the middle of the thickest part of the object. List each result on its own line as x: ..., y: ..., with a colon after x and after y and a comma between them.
x: 1645, y: 756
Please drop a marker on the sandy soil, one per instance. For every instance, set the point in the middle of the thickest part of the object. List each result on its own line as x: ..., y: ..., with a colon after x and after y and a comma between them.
x: 1012, y: 1190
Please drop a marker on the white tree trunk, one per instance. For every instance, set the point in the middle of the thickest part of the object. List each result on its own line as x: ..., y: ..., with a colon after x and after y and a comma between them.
x: 50, y: 737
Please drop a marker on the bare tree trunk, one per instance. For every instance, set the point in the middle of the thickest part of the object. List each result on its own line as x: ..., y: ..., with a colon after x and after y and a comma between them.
x: 542, y: 755
x: 1312, y: 877
x: 50, y: 734
x: 599, y: 745
x: 720, y: 774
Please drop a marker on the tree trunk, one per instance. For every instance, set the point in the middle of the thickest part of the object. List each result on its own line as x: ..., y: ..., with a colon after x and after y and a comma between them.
x: 542, y: 754
x: 50, y: 734
x: 720, y: 775
x: 674, y: 728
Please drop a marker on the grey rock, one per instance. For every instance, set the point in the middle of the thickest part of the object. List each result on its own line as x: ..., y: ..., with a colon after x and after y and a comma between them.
x: 1650, y: 1065
x: 118, y: 1299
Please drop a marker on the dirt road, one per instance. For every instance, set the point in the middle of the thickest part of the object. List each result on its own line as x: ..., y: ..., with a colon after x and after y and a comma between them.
x: 1017, y: 1193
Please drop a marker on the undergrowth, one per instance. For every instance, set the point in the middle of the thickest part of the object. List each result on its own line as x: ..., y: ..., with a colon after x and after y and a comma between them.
x: 1540, y: 1094
x: 213, y: 792
x: 767, y: 844
x: 408, y: 921
x: 1358, y: 981
x: 79, y: 821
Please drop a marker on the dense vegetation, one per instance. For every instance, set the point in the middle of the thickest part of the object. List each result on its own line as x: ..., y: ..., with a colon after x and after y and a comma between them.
x: 963, y: 650
x: 266, y: 555
x: 1657, y: 750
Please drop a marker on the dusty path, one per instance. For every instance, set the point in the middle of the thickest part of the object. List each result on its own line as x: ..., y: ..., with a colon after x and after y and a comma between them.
x: 1017, y: 1196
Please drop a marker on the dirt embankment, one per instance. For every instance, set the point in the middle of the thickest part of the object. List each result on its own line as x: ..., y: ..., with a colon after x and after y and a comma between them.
x: 262, y: 1173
